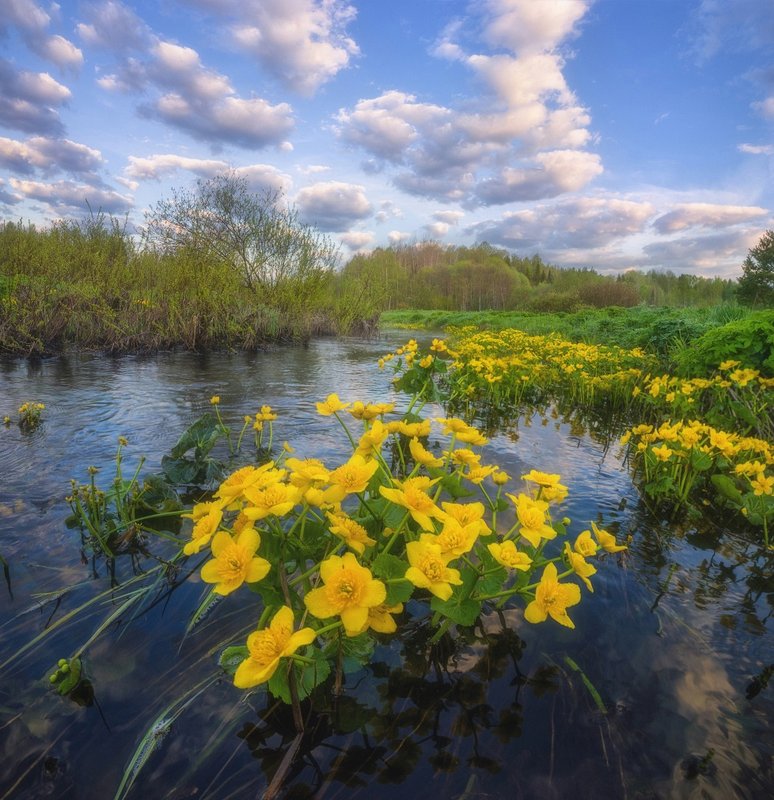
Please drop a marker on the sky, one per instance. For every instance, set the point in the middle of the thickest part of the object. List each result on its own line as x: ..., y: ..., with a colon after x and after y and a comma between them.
x: 610, y: 134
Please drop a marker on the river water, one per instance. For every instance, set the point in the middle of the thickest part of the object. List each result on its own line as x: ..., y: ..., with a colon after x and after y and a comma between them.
x: 652, y: 695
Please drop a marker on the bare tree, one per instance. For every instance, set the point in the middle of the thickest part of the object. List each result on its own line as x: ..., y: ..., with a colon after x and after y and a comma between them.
x: 256, y: 234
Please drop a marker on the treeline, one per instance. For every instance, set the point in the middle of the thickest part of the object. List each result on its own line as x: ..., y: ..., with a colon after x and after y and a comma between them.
x: 218, y: 268
x: 429, y: 275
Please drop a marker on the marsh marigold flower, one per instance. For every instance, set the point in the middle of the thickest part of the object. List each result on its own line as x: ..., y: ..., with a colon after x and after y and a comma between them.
x: 412, y: 495
x: 580, y: 566
x: 506, y: 554
x: 331, y: 405
x: 349, y: 591
x: 429, y: 569
x: 606, y: 540
x: 422, y: 455
x: 207, y: 518
x: 352, y: 477
x: 353, y: 533
x: 234, y: 561
x: 266, y: 647
x: 532, y: 518
x: 276, y: 500
x: 380, y: 618
x: 552, y: 599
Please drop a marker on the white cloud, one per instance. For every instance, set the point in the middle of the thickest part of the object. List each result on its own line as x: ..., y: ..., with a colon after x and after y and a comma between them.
x: 26, y: 100
x: 114, y: 27
x: 765, y: 107
x: 588, y: 222
x: 757, y: 149
x: 714, y: 254
x: 449, y: 217
x: 33, y: 23
x: 396, y: 237
x: 49, y: 155
x: 301, y: 42
x: 706, y: 215
x: 333, y: 205
x: 525, y: 26
x: 357, y: 241
x: 551, y: 174
x: 437, y: 230
x: 67, y: 197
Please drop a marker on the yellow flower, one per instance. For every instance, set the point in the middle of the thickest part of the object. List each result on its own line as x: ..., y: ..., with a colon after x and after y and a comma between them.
x: 352, y: 477
x: 606, y: 540
x: 412, y: 495
x: 234, y: 561
x: 762, y: 484
x: 426, y: 361
x: 466, y: 514
x: 542, y: 478
x: 500, y: 478
x: 380, y: 618
x: 466, y: 457
x: 454, y: 539
x: 234, y: 486
x: 532, y: 518
x: 353, y: 533
x: 505, y: 553
x: 585, y: 545
x: 552, y: 598
x: 662, y: 453
x: 266, y: 647
x: 331, y: 405
x: 215, y: 400
x: 429, y: 569
x: 307, y: 472
x: 276, y: 500
x: 580, y: 566
x: 371, y: 441
x: 349, y: 591
x: 410, y: 429
x: 207, y: 518
x: 365, y: 411
x: 423, y: 456
x: 265, y: 414
x: 724, y: 365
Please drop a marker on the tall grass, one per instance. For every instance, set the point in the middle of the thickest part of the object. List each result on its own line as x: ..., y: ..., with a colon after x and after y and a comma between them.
x: 89, y: 285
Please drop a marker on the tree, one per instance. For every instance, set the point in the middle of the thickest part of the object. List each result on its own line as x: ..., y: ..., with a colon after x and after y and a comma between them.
x: 756, y: 286
x: 255, y: 234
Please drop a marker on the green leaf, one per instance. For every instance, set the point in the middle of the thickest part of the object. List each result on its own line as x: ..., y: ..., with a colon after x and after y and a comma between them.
x: 72, y: 678
x: 398, y: 592
x: 232, y: 657
x: 453, y: 485
x: 463, y: 612
x: 201, y: 435
x: 388, y: 566
x: 700, y: 461
x: 727, y: 488
x: 307, y: 676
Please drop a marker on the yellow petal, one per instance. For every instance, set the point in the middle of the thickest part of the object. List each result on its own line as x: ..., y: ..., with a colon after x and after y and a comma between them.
x: 211, y: 572
x: 220, y: 542
x: 355, y: 620
x: 534, y: 613
x: 251, y: 673
x: 375, y: 594
x: 330, y: 567
x: 317, y: 603
x: 282, y: 619
x: 250, y: 539
x: 299, y: 639
x: 257, y: 570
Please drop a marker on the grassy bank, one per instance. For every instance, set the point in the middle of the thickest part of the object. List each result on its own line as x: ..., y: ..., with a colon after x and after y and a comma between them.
x: 90, y: 286
x: 673, y: 334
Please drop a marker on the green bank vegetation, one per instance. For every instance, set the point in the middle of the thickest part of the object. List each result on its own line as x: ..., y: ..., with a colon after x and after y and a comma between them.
x: 218, y: 267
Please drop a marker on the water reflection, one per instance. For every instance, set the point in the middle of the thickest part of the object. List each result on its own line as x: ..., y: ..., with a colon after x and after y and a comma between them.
x: 672, y: 639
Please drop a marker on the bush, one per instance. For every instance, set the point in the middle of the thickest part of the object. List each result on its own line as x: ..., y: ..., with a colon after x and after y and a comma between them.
x: 749, y: 341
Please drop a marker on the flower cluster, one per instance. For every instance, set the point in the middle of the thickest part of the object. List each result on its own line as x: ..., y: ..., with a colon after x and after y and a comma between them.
x: 344, y: 546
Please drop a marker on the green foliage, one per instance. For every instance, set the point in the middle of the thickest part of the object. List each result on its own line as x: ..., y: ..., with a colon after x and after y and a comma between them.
x: 749, y: 341
x: 756, y: 286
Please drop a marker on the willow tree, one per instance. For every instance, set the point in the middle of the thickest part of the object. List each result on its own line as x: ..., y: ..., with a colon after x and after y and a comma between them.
x: 257, y: 235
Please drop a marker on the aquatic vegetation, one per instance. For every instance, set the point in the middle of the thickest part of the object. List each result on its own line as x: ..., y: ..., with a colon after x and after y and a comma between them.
x: 30, y: 415
x: 685, y: 462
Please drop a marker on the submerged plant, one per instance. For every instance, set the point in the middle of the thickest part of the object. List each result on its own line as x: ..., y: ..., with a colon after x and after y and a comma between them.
x: 30, y: 415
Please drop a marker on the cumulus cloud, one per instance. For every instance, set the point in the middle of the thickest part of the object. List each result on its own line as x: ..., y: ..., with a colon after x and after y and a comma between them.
x: 713, y: 254
x: 397, y: 237
x: 706, y: 215
x: 333, y: 205
x: 27, y: 100
x: 521, y: 138
x: 525, y: 26
x: 550, y: 174
x: 588, y: 222
x: 185, y: 93
x: 303, y: 43
x: 448, y: 217
x: 357, y: 241
x: 259, y: 177
x: 765, y: 107
x: 68, y: 197
x: 49, y: 156
x: 33, y: 22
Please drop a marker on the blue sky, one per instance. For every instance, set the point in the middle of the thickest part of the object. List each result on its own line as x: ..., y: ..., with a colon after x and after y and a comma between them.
x: 611, y: 134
